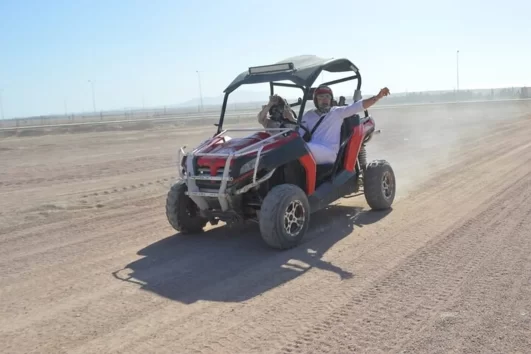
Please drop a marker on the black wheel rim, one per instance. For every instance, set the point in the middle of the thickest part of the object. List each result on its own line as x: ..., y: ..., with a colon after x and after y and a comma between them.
x: 294, y: 218
x: 388, y: 184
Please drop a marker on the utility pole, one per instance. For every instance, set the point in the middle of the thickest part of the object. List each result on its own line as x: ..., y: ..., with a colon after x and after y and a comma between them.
x: 200, y: 91
x: 457, y: 57
x: 93, y: 97
x: 1, y: 104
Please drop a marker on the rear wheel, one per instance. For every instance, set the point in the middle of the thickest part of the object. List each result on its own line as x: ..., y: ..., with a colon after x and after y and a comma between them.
x: 379, y: 184
x: 284, y: 216
x: 181, y: 211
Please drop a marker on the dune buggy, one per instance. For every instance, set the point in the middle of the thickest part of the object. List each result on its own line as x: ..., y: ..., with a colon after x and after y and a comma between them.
x: 270, y: 176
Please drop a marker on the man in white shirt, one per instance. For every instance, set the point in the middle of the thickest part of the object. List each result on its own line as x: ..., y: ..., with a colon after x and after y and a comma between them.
x: 325, y: 141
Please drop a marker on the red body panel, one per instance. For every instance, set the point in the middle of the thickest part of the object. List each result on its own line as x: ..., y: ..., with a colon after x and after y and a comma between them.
x: 310, y: 167
x: 354, y: 145
x: 226, y: 147
x: 236, y: 144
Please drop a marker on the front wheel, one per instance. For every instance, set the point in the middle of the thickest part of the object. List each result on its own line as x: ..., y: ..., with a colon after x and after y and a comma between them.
x: 379, y: 185
x: 181, y: 211
x: 284, y: 216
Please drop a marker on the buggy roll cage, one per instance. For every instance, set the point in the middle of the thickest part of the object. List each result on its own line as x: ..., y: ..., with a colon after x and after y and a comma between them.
x: 302, y: 71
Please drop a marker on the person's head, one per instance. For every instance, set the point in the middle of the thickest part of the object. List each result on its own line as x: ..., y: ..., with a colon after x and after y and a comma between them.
x: 281, y: 109
x: 322, y: 98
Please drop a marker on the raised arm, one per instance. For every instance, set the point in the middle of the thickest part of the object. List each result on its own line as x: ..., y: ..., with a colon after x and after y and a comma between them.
x: 358, y: 106
x: 370, y: 101
x: 262, y: 115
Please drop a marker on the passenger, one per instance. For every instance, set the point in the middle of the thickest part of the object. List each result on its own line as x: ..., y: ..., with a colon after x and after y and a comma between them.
x: 276, y: 107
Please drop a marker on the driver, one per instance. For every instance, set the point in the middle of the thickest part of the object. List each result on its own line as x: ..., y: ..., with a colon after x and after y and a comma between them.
x: 324, y: 143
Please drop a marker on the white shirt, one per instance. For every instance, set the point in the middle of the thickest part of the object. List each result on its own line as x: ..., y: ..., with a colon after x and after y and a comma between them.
x: 329, y: 131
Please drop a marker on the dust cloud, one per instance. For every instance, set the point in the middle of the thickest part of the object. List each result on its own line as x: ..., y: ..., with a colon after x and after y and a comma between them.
x: 421, y: 140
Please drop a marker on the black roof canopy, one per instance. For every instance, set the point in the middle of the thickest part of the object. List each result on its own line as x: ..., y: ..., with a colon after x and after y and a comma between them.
x: 302, y: 71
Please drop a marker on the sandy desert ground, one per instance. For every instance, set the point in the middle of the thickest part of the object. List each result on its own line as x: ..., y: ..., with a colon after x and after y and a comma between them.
x: 89, y: 264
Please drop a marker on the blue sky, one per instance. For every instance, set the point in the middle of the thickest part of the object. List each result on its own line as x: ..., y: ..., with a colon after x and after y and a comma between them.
x: 149, y: 51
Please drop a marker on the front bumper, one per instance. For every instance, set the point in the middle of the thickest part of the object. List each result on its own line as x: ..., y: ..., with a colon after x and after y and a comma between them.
x: 224, y: 194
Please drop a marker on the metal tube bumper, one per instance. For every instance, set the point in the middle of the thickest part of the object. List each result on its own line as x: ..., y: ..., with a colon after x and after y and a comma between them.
x: 198, y: 195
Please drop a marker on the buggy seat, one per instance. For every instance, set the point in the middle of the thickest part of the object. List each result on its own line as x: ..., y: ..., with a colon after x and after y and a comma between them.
x: 326, y: 170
